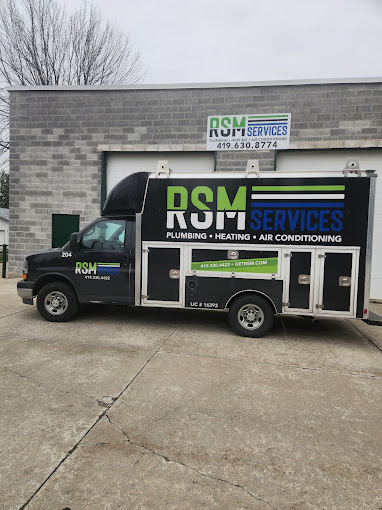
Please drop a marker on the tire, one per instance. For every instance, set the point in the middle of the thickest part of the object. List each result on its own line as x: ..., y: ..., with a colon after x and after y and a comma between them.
x: 57, y: 302
x: 251, y: 315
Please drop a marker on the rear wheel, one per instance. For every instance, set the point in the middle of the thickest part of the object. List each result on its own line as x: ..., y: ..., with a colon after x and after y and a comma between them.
x: 57, y: 302
x: 251, y: 315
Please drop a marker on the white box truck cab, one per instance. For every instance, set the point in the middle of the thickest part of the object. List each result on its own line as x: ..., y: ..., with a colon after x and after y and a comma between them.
x: 253, y: 243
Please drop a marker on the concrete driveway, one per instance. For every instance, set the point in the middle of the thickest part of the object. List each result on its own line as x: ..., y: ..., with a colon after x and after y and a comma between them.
x: 126, y: 408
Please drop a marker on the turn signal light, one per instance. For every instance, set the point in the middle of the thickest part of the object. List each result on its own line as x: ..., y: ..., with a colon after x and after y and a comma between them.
x: 25, y: 270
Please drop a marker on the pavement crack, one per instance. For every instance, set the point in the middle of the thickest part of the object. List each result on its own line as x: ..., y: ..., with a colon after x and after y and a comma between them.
x: 97, y: 420
x: 364, y: 334
x: 14, y: 313
x: 104, y: 443
x: 76, y: 343
x: 69, y: 453
x: 201, y: 473
x: 45, y: 387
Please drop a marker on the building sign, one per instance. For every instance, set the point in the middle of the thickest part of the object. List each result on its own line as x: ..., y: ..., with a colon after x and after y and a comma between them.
x: 248, y: 132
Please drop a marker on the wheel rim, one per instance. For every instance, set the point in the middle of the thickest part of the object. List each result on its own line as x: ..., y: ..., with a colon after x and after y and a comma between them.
x: 56, y: 303
x: 250, y: 316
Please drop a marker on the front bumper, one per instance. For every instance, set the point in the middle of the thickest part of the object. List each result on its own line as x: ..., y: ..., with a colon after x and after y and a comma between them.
x: 25, y: 291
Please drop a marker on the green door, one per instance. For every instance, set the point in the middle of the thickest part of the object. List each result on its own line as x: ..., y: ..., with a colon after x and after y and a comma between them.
x: 62, y: 226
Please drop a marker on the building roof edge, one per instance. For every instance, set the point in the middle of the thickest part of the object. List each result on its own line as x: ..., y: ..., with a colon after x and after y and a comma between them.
x: 212, y: 85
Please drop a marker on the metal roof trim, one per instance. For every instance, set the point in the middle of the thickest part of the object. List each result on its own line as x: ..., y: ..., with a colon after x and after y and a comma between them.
x: 212, y: 85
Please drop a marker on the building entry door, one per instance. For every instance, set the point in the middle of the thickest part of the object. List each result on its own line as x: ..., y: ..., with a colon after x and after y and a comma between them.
x: 62, y: 226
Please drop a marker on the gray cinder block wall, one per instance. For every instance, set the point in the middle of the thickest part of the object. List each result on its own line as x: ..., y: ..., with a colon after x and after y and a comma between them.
x: 56, y: 134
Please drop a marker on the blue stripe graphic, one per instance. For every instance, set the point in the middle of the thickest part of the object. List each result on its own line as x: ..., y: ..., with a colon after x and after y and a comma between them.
x: 297, y: 204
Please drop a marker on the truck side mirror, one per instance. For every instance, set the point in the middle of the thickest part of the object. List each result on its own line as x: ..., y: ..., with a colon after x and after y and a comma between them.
x: 73, y: 242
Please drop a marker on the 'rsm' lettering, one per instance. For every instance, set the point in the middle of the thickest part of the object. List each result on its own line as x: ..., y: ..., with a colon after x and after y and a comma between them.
x: 203, y: 199
x: 226, y: 126
x: 85, y: 268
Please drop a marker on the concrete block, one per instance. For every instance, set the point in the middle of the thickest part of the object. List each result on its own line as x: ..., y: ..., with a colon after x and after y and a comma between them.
x: 177, y: 147
x: 115, y: 147
x: 164, y: 147
x: 140, y: 130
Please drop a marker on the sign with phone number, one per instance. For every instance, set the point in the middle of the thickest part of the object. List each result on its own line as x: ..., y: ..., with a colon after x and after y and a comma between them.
x: 266, y: 265
x: 249, y: 132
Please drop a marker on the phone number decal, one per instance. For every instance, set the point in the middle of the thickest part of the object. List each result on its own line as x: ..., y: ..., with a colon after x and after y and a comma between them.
x: 246, y: 145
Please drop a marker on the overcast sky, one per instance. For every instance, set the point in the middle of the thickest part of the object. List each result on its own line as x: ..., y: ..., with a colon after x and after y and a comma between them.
x: 243, y: 40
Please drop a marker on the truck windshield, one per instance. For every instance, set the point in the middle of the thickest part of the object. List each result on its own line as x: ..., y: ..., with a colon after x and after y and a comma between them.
x: 104, y: 235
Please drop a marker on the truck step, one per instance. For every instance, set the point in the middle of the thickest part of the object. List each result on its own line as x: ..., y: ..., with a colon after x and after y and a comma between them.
x: 373, y: 320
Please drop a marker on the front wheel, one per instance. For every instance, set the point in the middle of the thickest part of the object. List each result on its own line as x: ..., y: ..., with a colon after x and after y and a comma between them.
x: 57, y: 302
x: 251, y: 316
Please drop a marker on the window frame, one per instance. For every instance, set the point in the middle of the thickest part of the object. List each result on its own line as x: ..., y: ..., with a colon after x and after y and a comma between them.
x: 82, y: 248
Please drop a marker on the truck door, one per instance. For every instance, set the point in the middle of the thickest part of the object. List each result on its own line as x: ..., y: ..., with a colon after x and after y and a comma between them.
x: 299, y: 278
x: 102, y: 269
x: 162, y: 275
x: 320, y: 281
x: 338, y: 276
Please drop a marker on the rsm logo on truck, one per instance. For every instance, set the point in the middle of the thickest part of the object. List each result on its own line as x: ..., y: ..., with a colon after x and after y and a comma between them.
x: 257, y: 209
x: 214, y: 207
x: 97, y: 268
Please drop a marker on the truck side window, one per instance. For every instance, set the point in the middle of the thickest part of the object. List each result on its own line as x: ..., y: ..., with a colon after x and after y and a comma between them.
x: 104, y: 235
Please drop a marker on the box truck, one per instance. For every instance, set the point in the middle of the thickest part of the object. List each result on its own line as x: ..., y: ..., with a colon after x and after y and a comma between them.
x: 252, y: 243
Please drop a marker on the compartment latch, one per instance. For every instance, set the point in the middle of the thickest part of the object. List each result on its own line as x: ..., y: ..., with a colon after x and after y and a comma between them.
x: 304, y: 279
x: 344, y: 281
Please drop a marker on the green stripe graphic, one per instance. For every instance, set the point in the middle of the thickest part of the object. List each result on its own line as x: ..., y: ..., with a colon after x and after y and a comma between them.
x: 265, y: 266
x: 299, y: 188
x: 267, y: 116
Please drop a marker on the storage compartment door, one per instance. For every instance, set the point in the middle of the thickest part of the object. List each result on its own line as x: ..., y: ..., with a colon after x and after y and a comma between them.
x: 299, y: 286
x: 338, y: 282
x: 161, y: 282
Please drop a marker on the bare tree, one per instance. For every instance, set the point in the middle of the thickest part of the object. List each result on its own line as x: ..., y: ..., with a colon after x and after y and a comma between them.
x: 41, y: 44
x: 4, y: 190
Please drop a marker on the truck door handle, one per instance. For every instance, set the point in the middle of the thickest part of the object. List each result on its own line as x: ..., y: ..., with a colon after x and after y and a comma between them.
x: 174, y: 274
